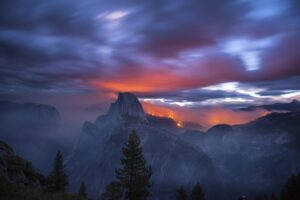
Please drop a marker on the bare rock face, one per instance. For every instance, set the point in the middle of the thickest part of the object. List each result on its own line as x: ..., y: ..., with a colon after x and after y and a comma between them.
x: 127, y: 105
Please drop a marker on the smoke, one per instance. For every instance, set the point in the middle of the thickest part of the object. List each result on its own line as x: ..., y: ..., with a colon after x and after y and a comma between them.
x: 206, y: 117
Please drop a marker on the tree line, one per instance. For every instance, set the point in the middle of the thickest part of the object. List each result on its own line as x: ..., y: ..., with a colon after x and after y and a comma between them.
x: 289, y: 191
x: 133, y: 179
x: 196, y: 194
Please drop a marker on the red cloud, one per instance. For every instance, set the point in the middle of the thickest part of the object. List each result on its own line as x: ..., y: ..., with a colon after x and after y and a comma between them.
x: 209, y: 70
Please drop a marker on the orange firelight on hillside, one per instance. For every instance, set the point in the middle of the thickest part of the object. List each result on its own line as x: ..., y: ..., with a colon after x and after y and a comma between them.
x: 154, y: 110
x: 179, y: 124
x: 204, y: 117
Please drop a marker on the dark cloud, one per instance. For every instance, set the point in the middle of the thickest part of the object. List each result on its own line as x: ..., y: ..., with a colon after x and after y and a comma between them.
x: 278, y: 87
x: 58, y: 18
x: 190, y: 95
x: 80, y: 46
x: 200, y: 23
x: 283, y: 59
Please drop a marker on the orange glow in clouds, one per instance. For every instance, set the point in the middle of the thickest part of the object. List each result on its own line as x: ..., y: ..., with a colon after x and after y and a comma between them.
x: 204, y: 117
x: 154, y: 80
x: 157, y: 82
x: 160, y: 80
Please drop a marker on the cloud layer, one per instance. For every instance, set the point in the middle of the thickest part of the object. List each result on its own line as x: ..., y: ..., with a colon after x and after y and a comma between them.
x: 168, y: 49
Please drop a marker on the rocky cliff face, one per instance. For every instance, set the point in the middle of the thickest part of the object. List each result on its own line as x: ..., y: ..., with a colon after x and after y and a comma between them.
x: 126, y: 106
x: 98, y: 152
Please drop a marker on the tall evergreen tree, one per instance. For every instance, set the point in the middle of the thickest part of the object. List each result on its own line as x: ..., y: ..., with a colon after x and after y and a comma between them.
x: 133, y: 175
x: 262, y: 197
x: 259, y: 198
x: 243, y: 197
x: 181, y: 194
x: 57, y: 181
x: 197, y: 193
x: 273, y: 197
x: 291, y: 189
x: 266, y: 197
x: 113, y: 191
x: 82, y: 190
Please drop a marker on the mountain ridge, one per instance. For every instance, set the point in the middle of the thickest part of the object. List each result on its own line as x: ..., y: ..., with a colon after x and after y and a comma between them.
x: 233, y: 157
x: 99, y: 148
x: 294, y: 105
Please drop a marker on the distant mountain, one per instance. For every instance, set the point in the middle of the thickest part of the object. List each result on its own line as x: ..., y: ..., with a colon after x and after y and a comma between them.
x: 193, y: 126
x: 166, y: 122
x: 282, y: 128
x: 219, y: 139
x: 220, y: 128
x: 250, y: 159
x: 288, y: 121
x: 277, y: 128
x: 29, y: 114
x: 32, y: 130
x: 260, y: 153
x: 292, y: 106
x: 161, y: 121
x: 98, y: 151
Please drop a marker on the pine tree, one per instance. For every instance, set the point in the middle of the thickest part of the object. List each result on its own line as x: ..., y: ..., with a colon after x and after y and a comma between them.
x: 262, y: 197
x: 113, y: 191
x: 133, y: 175
x: 273, y: 197
x: 197, y: 193
x: 291, y: 189
x: 57, y: 180
x: 259, y: 198
x: 82, y: 190
x: 265, y: 197
x: 181, y: 194
x: 243, y: 197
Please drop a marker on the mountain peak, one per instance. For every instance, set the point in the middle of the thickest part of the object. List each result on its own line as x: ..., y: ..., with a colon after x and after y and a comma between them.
x: 220, y: 128
x: 127, y: 104
x: 295, y: 101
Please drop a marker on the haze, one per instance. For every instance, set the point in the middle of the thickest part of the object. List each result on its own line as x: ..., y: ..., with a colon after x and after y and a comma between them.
x: 181, y: 58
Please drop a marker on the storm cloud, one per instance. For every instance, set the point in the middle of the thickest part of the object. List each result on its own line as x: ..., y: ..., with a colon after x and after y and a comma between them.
x: 158, y: 49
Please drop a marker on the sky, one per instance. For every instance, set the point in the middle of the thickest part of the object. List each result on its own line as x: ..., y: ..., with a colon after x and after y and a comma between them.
x: 195, y: 60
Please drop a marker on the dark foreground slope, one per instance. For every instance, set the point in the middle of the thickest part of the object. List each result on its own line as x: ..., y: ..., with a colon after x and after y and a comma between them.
x: 19, y: 180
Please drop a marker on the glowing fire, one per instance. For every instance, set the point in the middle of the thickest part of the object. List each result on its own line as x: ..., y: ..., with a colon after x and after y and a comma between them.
x: 204, y: 117
x: 179, y: 124
x: 162, y: 112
